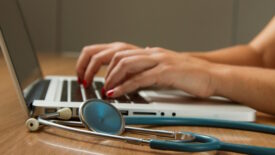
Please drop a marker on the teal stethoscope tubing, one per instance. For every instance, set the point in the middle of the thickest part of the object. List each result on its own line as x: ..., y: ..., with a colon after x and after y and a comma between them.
x: 214, y: 144
x: 172, y: 121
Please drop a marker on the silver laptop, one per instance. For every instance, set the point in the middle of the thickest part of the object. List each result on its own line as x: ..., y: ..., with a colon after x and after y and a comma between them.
x: 40, y: 95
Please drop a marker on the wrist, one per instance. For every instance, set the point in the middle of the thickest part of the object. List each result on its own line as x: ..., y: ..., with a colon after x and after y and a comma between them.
x: 220, y: 78
x: 204, y: 79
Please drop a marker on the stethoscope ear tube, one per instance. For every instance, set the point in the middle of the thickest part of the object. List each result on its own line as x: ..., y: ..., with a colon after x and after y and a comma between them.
x: 201, y: 142
x: 207, y: 143
x: 172, y: 121
x: 246, y: 149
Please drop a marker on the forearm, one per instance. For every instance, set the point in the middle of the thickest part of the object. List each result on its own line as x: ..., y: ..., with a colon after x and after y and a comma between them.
x: 251, y: 86
x: 243, y: 55
x: 259, y: 52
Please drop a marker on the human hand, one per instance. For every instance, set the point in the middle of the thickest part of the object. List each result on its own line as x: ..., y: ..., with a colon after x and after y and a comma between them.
x: 133, y: 69
x: 93, y: 56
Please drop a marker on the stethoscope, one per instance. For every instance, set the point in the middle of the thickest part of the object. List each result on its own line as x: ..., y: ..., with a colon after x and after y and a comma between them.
x: 104, y: 120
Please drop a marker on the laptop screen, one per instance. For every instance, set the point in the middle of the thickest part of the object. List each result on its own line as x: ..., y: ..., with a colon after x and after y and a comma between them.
x: 18, y: 44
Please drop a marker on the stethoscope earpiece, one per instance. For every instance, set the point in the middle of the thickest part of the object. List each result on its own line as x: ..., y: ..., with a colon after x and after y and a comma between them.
x: 32, y: 124
x: 65, y: 113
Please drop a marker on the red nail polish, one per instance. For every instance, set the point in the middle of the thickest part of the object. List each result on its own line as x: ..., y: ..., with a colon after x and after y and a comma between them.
x: 84, y: 83
x: 103, y: 91
x: 110, y: 93
x: 79, y: 80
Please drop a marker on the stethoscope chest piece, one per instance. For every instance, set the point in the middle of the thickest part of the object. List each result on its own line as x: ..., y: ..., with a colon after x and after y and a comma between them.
x: 103, y: 118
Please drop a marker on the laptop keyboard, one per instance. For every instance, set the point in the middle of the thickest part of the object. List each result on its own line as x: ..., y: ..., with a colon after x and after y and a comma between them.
x: 76, y: 92
x: 94, y: 91
x: 64, y: 96
x: 38, y: 92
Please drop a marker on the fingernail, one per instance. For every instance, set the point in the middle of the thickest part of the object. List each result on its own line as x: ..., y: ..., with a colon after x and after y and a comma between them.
x: 103, y: 91
x: 110, y: 93
x: 79, y: 80
x: 84, y: 83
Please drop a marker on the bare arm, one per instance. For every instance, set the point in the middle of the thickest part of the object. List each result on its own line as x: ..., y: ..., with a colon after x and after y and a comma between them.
x: 236, y: 74
x: 259, y: 52
x: 228, y: 72
x: 251, y: 86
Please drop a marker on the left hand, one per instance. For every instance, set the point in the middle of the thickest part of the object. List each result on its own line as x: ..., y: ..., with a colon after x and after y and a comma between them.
x: 133, y: 69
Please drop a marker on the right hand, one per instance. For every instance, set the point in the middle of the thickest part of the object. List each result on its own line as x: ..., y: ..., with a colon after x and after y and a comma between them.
x: 93, y: 56
x: 133, y: 69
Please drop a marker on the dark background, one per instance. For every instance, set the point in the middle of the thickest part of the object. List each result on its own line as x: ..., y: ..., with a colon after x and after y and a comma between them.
x: 183, y: 25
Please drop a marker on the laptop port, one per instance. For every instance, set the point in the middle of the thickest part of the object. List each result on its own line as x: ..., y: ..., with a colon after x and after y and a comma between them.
x: 145, y: 113
x: 124, y: 112
x: 173, y: 114
x: 50, y: 110
x: 162, y: 114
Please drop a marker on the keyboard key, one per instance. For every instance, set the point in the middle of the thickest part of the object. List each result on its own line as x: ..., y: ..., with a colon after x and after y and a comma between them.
x: 90, y: 93
x: 99, y: 85
x: 64, y: 95
x: 38, y: 92
x: 75, y: 92
x: 136, y: 98
x: 109, y: 100
x: 45, y: 85
x: 123, y: 99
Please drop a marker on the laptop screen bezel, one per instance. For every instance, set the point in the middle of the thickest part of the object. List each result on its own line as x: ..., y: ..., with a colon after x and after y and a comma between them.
x: 38, y: 76
x: 11, y: 69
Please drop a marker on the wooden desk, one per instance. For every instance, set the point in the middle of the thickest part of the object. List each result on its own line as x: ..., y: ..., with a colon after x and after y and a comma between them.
x: 15, y: 139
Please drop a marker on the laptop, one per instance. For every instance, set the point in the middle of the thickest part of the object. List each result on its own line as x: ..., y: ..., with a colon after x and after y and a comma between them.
x: 40, y: 94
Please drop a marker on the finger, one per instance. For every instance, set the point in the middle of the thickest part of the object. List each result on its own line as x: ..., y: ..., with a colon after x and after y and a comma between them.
x: 129, y: 65
x: 120, y: 55
x: 144, y: 79
x: 85, y: 57
x: 96, y: 62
